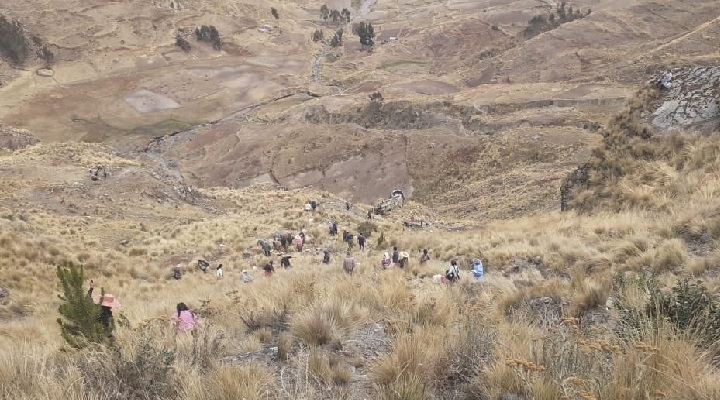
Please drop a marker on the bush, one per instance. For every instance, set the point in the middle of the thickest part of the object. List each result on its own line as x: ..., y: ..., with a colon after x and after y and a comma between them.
x: 336, y: 41
x: 209, y: 34
x: 367, y: 228
x: 146, y: 375
x: 183, y: 44
x: 318, y: 35
x: 275, y: 320
x: 80, y: 322
x: 14, y: 45
x: 690, y: 308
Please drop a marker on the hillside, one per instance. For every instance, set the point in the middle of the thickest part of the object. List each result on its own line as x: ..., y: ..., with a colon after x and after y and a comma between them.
x: 472, y: 75
x: 491, y: 119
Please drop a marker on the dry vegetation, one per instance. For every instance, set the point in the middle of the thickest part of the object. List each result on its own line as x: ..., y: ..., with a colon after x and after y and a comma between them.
x: 574, y: 304
x: 599, y: 302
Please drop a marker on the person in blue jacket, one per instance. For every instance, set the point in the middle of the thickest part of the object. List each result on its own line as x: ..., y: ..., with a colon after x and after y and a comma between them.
x: 477, y: 269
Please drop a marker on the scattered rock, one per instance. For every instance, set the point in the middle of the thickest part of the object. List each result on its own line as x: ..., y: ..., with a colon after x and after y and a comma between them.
x: 4, y: 293
x: 45, y: 72
x: 519, y: 265
x: 594, y: 321
x: 15, y: 139
x: 691, y: 101
x: 544, y: 310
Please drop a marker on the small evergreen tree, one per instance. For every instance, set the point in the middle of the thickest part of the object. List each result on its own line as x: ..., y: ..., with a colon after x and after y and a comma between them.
x: 337, y: 39
x: 182, y: 43
x: 345, y: 13
x: 367, y: 34
x: 45, y: 54
x: 381, y: 240
x: 79, y: 322
x: 335, y: 16
x: 274, y: 12
x: 318, y: 35
x: 324, y: 12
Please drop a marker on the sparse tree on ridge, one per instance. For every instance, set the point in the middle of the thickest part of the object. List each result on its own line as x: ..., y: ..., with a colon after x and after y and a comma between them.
x: 318, y: 35
x: 345, y: 14
x: 274, y: 12
x: 367, y: 35
x: 335, y: 16
x: 324, y: 12
x: 337, y: 39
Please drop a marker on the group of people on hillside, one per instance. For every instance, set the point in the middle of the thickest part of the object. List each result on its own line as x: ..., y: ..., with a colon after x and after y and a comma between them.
x: 398, y: 259
x: 283, y: 242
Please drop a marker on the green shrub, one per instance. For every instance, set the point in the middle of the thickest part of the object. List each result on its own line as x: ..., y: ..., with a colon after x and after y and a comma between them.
x: 367, y: 228
x: 80, y: 316
x: 690, y: 308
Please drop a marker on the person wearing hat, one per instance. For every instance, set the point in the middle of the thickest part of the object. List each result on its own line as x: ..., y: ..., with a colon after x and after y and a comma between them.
x: 478, y: 270
x: 107, y: 303
x: 349, y: 263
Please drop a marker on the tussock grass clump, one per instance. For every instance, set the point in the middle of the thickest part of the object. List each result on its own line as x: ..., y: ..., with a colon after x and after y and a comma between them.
x: 238, y: 382
x: 314, y: 328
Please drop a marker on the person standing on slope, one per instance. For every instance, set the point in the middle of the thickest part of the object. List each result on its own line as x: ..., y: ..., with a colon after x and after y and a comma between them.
x: 478, y: 270
x: 453, y: 273
x: 349, y: 263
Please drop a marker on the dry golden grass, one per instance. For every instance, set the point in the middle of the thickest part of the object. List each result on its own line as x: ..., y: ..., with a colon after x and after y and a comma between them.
x: 475, y: 339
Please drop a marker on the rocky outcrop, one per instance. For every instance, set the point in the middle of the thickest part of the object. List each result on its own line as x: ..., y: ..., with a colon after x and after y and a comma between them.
x: 15, y: 139
x: 692, y: 101
x: 576, y: 178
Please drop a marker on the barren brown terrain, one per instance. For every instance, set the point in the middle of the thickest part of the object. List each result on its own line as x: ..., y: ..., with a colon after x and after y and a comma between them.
x: 274, y: 105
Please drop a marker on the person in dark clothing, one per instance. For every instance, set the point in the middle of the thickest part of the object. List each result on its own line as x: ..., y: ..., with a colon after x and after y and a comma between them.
x: 269, y: 268
x: 313, y: 204
x: 266, y: 247
x: 361, y: 241
x: 283, y: 243
x: 285, y: 261
x: 395, y: 255
x: 105, y: 316
x: 369, y: 214
x: 326, y: 256
x: 348, y: 205
x: 106, y: 303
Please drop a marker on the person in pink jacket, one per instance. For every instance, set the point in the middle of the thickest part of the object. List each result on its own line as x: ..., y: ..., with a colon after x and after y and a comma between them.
x: 184, y: 320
